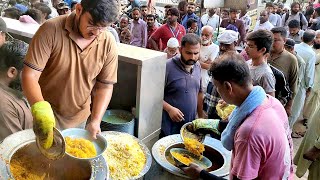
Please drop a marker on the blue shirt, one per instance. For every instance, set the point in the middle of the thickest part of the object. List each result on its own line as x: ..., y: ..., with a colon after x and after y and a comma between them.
x: 187, y: 17
x: 181, y: 91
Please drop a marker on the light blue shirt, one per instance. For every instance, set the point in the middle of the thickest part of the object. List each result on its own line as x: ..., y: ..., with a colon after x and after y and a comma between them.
x: 309, y: 56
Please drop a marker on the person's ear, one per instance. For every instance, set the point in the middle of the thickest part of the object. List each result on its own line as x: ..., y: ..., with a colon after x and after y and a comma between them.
x: 12, y: 72
x: 79, y: 9
x: 263, y: 50
x: 228, y: 87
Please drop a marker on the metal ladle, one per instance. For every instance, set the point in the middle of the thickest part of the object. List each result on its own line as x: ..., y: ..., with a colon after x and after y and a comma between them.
x: 58, y: 148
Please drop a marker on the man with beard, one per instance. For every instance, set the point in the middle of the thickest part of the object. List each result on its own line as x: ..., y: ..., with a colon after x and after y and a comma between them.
x: 295, y: 14
x: 208, y: 53
x: 285, y: 62
x: 123, y: 24
x: 138, y: 29
x: 295, y: 32
x: 167, y: 31
x: 227, y: 41
x: 69, y: 59
x: 150, y: 18
x: 15, y: 112
x: 210, y: 19
x: 304, y: 49
x: 234, y: 21
x: 190, y: 15
x: 313, y: 100
x: 263, y: 22
x: 182, y: 92
x: 144, y: 11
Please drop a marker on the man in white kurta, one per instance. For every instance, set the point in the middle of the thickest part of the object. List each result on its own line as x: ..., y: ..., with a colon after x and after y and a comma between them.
x: 304, y: 50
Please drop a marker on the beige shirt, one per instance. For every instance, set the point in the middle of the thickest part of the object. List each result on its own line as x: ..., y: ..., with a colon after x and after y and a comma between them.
x: 69, y: 72
x: 15, y: 114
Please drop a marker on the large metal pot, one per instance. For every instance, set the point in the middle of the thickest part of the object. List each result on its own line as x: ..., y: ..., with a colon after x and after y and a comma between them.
x: 24, y: 141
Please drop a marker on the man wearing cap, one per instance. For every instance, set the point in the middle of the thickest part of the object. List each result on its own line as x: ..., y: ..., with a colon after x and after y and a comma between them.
x: 167, y: 31
x: 63, y: 8
x: 182, y: 92
x: 227, y: 41
x: 208, y: 53
x: 233, y: 20
x: 3, y: 31
x: 172, y: 48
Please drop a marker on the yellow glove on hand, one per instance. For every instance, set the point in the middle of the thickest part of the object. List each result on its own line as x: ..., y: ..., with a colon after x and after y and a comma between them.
x: 43, y: 123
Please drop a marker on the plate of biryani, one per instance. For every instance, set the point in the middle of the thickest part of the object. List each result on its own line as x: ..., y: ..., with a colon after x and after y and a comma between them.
x: 126, y: 155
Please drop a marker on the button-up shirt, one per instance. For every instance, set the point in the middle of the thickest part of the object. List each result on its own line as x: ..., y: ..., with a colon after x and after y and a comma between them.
x: 296, y: 17
x: 297, y: 37
x: 186, y: 17
x: 139, y: 33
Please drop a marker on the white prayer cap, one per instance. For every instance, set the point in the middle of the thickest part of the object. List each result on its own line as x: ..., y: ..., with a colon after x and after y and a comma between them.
x: 173, y: 43
x: 228, y: 37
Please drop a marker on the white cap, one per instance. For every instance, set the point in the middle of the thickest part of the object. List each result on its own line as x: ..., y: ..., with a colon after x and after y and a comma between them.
x: 173, y: 43
x: 228, y: 37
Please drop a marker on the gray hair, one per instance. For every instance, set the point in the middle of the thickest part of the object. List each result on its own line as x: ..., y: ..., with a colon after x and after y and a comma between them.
x: 210, y: 28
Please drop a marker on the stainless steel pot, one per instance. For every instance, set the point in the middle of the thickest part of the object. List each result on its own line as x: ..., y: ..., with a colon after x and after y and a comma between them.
x: 24, y: 141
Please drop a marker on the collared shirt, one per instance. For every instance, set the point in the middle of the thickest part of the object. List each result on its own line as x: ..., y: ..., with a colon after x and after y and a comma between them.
x: 264, y: 26
x: 275, y: 19
x: 181, y: 91
x: 297, y: 37
x: 151, y: 31
x: 239, y: 24
x: 186, y: 17
x: 71, y: 66
x: 212, y: 21
x: 296, y: 17
x: 165, y: 32
x: 15, y: 113
x: 309, y: 57
x: 139, y: 33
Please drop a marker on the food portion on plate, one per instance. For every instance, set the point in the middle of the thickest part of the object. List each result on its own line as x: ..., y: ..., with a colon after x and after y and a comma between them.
x: 125, y: 157
x: 80, y: 147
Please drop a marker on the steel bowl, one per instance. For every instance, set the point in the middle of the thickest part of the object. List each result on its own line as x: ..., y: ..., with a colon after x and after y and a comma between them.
x: 100, y: 143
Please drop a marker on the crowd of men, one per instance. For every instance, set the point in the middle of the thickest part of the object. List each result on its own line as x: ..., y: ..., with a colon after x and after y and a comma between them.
x: 269, y: 70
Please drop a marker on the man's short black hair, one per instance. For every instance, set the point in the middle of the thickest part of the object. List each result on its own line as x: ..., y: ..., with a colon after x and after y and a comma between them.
x: 294, y: 24
x: 308, y: 36
x: 191, y: 39
x: 136, y: 9
x: 192, y: 4
x: 12, y: 54
x: 233, y: 10
x: 12, y: 2
x: 224, y: 10
x: 102, y: 11
x: 151, y: 16
x: 168, y: 6
x: 182, y: 4
x: 294, y: 4
x: 231, y: 67
x: 35, y: 14
x: 269, y: 4
x: 190, y: 22
x: 262, y: 39
x: 143, y: 6
x: 43, y: 7
x: 13, y: 13
x: 281, y: 30
x: 174, y: 12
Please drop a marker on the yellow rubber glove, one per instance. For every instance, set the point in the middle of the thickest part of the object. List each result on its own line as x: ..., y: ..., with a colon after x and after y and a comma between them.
x: 43, y: 123
x: 206, y: 125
